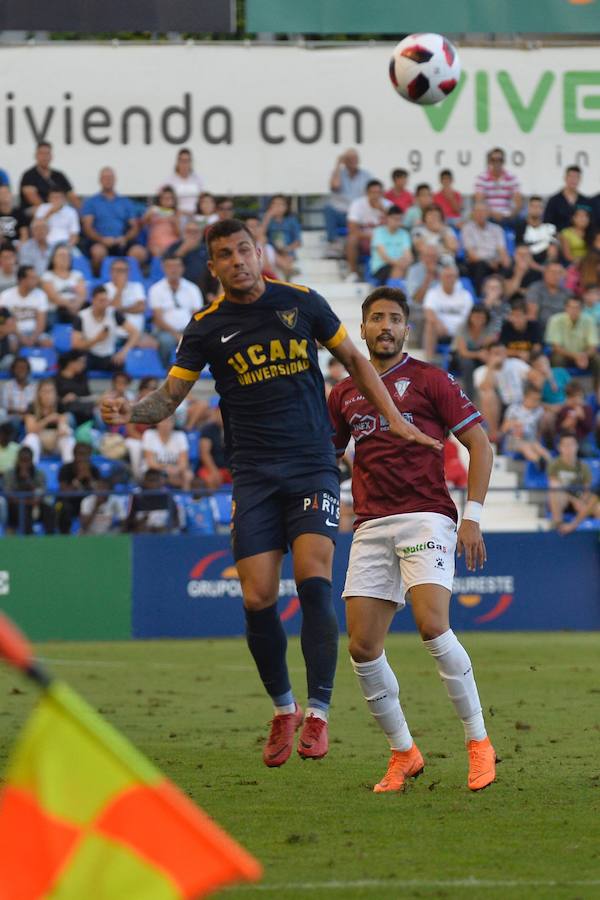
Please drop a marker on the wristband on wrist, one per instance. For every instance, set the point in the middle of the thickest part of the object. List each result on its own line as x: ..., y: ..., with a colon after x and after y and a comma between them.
x: 473, y: 511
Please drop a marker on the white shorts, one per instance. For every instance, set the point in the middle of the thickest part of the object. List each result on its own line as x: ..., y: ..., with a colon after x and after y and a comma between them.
x: 390, y: 555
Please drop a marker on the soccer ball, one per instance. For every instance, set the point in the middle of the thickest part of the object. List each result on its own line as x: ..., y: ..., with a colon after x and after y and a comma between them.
x: 424, y: 68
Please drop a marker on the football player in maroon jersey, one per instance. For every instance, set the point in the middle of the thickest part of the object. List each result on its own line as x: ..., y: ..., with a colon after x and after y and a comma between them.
x: 406, y: 533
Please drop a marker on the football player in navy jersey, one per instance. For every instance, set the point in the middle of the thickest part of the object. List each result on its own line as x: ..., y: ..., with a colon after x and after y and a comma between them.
x: 259, y: 340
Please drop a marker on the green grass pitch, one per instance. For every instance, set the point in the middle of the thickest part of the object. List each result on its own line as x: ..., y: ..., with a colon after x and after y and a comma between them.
x: 198, y: 711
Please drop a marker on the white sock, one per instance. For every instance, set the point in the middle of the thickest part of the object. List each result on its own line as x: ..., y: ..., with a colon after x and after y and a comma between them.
x: 380, y: 689
x: 456, y: 672
x: 316, y: 712
x: 285, y: 710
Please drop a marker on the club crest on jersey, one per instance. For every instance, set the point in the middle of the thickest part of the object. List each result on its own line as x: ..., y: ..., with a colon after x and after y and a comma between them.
x: 289, y: 317
x: 402, y: 386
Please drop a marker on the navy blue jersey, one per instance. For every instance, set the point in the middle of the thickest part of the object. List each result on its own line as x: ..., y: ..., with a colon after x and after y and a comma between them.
x: 263, y: 357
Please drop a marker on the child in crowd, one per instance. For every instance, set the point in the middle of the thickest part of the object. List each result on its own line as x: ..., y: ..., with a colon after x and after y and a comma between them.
x: 522, y: 427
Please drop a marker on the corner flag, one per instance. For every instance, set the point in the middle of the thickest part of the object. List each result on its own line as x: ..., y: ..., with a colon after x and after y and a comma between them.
x: 84, y: 814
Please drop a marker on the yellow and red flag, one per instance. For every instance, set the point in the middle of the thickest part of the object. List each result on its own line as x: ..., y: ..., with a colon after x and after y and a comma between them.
x: 84, y: 816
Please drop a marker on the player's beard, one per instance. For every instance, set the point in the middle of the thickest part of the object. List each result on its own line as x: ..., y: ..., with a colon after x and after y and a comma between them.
x: 376, y: 349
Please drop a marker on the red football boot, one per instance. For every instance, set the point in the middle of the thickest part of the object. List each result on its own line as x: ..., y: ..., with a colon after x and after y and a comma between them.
x: 280, y: 742
x: 313, y: 742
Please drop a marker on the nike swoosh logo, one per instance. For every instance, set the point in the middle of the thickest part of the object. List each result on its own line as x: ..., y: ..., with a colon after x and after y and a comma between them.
x: 331, y: 524
x: 228, y: 338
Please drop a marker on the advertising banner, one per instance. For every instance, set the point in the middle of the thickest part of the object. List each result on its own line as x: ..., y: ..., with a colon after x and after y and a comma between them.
x: 267, y: 119
x: 383, y: 17
x: 186, y: 587
x: 68, y: 589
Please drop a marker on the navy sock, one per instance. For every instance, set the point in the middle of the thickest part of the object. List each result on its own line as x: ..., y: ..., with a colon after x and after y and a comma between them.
x: 267, y: 642
x: 319, y: 639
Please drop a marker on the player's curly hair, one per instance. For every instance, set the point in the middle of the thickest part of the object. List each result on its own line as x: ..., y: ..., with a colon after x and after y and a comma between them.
x: 386, y: 293
x: 225, y: 229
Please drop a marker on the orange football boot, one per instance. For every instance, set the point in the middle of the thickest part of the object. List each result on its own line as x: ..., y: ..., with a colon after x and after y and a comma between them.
x: 403, y: 764
x: 482, y: 764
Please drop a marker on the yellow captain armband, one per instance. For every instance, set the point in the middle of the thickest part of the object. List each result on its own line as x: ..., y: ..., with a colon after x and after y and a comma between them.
x: 184, y: 374
x: 337, y: 338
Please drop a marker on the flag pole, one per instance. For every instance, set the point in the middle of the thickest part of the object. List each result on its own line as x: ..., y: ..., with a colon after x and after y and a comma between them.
x: 16, y: 650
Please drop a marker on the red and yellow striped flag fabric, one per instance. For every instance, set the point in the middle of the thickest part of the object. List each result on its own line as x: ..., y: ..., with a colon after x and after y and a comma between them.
x: 84, y: 816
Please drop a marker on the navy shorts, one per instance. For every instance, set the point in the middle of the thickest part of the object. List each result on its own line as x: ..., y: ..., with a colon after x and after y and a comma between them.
x: 273, y: 506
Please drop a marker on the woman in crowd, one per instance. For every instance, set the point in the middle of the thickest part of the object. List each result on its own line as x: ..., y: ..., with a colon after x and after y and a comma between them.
x: 575, y: 240
x: 163, y: 221
x: 47, y: 429
x: 471, y: 343
x: 185, y: 182
x: 64, y: 286
x: 206, y: 210
x: 434, y: 231
x: 585, y: 273
x: 167, y: 451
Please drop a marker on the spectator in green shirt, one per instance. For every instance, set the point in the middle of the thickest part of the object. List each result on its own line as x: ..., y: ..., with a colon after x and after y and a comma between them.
x: 574, y: 339
x: 571, y: 478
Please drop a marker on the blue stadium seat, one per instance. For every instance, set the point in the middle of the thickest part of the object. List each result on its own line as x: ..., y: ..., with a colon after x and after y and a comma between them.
x: 135, y: 273
x: 534, y: 478
x: 144, y: 362
x: 223, y: 501
x: 62, y: 335
x: 50, y: 468
x: 511, y: 241
x: 156, y: 270
x: 82, y: 264
x: 469, y: 286
x: 41, y: 359
x: 193, y: 441
x: 106, y: 466
x: 594, y: 465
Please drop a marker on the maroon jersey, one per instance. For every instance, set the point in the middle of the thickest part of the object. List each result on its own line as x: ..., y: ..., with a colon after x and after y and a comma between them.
x: 391, y: 475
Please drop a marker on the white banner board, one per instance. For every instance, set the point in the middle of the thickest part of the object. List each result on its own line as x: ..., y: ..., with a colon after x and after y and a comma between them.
x: 265, y: 119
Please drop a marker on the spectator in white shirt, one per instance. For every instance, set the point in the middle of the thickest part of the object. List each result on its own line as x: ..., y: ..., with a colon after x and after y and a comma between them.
x: 36, y: 251
x: 17, y: 394
x: 129, y: 298
x: 64, y: 286
x: 173, y: 301
x: 62, y: 219
x: 500, y: 383
x: 29, y: 306
x: 96, y: 331
x: 167, y: 450
x: 364, y: 215
x: 8, y: 266
x: 447, y: 305
x: 485, y: 246
x: 186, y: 183
x: 101, y: 513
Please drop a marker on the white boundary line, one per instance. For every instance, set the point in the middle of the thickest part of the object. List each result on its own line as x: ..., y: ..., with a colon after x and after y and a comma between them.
x: 414, y: 883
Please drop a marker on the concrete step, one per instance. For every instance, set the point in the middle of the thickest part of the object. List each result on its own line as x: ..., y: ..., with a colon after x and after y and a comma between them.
x: 511, y: 516
x: 503, y: 479
x: 314, y: 268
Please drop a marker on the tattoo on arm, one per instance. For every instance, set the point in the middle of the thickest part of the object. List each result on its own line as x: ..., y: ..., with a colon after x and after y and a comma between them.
x: 162, y: 403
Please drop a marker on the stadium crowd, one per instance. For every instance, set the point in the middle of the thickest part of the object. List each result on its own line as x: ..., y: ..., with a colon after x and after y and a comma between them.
x: 504, y: 291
